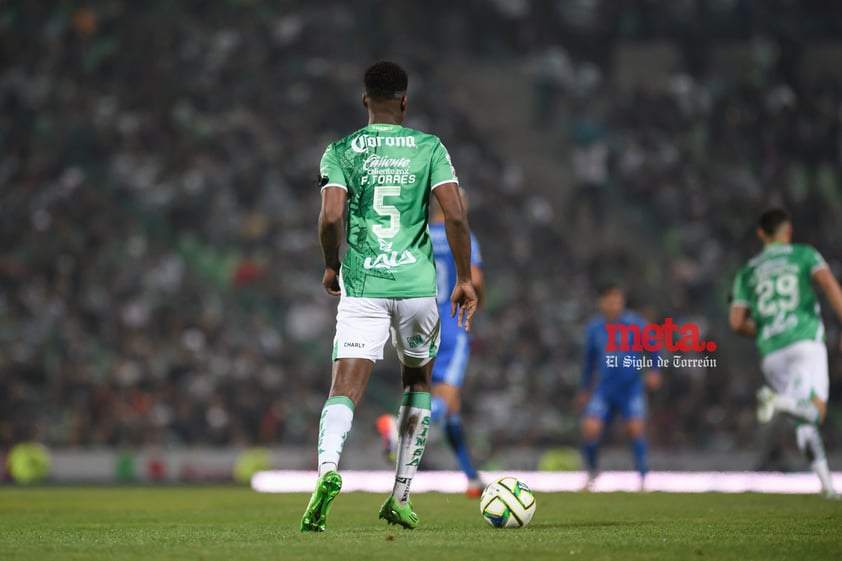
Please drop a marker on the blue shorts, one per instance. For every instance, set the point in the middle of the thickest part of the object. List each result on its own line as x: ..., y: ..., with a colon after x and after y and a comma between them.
x: 605, y: 406
x: 452, y: 358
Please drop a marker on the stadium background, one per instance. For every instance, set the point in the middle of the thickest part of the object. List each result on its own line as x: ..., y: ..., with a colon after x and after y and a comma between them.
x: 159, y: 272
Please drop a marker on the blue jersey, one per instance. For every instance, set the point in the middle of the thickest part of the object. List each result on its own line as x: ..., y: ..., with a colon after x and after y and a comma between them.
x: 454, y: 349
x: 446, y: 267
x: 618, y: 372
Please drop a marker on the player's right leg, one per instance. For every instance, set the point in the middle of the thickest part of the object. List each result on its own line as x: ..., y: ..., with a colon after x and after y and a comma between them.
x: 811, y: 383
x: 448, y: 376
x: 413, y: 431
x: 455, y: 435
x: 362, y: 329
x: 593, y: 422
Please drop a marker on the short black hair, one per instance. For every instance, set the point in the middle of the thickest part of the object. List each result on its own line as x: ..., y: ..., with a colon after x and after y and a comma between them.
x: 772, y: 219
x: 608, y: 287
x: 385, y: 80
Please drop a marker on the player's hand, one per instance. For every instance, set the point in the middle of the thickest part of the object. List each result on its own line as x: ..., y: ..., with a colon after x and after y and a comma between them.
x: 463, y: 304
x: 582, y: 399
x: 653, y: 380
x: 330, y: 281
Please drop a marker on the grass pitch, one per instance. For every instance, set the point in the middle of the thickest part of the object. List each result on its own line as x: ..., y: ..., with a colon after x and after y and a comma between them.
x: 231, y: 523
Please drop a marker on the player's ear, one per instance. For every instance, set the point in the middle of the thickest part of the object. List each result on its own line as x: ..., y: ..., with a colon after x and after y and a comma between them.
x: 403, y: 104
x: 760, y: 235
x: 365, y: 100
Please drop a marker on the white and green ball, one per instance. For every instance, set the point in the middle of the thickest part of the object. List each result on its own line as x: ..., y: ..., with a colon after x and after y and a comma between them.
x: 507, y: 503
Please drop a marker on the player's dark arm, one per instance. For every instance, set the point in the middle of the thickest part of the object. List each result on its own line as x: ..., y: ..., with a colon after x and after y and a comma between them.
x: 832, y: 290
x: 740, y: 321
x: 331, y: 228
x: 463, y: 298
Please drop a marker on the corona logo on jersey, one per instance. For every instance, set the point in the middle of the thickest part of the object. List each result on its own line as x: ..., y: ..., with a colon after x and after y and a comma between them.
x: 363, y: 142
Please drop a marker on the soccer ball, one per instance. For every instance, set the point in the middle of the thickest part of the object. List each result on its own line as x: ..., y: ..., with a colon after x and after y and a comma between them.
x: 507, y: 503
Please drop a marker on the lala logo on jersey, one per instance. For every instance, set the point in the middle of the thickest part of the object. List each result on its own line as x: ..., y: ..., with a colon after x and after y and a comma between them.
x: 781, y: 324
x: 388, y: 259
x: 654, y: 337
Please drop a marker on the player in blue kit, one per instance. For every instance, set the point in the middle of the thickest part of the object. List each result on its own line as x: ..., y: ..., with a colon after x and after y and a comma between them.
x: 617, y: 386
x: 453, y: 353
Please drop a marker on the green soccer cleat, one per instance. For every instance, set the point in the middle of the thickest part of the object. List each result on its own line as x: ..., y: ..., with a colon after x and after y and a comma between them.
x: 315, y: 517
x: 394, y: 513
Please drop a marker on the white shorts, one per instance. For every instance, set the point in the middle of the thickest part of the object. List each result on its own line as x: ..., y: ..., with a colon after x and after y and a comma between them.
x: 363, y: 326
x: 798, y: 370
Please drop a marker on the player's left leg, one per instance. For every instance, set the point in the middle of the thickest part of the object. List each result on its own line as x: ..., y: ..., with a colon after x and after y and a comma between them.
x: 415, y: 335
x: 594, y: 418
x: 634, y: 412
x: 362, y: 329
x: 350, y: 376
x: 807, y: 409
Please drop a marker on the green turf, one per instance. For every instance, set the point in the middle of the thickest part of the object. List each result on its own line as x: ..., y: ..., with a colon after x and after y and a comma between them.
x: 228, y: 523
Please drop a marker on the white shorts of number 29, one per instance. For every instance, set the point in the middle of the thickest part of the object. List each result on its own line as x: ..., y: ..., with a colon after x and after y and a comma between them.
x: 798, y: 370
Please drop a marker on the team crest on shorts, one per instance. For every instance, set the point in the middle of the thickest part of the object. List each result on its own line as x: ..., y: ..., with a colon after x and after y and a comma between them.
x: 414, y: 341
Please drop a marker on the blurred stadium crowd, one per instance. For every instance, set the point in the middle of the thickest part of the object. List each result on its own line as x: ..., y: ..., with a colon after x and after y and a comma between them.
x: 160, y: 272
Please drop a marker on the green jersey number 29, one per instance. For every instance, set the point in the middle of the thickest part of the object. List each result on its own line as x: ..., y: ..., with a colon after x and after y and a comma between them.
x: 777, y: 295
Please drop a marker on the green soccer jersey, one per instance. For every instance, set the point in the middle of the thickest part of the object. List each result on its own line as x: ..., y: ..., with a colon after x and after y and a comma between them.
x: 388, y: 172
x: 776, y: 285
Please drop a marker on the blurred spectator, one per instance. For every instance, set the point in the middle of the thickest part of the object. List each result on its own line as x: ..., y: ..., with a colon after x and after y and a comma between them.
x: 159, y: 278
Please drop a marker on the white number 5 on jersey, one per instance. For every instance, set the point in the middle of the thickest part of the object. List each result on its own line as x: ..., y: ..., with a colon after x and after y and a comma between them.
x: 383, y: 209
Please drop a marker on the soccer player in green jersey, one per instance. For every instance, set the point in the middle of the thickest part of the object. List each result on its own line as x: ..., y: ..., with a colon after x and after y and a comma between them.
x: 384, y: 174
x: 774, y: 303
